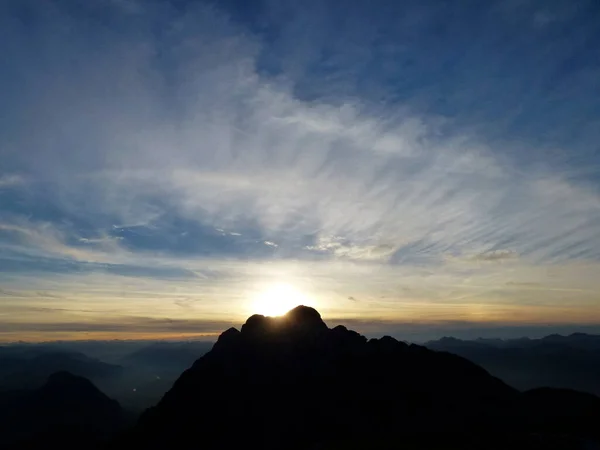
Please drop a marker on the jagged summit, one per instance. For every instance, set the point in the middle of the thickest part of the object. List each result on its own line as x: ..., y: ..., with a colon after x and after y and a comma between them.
x: 300, y: 319
x: 295, y: 325
x: 304, y: 316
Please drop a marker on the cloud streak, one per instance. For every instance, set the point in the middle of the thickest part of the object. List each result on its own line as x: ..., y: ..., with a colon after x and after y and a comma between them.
x: 173, y: 142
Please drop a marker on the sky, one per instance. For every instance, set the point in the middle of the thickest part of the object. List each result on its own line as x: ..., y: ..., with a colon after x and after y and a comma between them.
x: 416, y: 168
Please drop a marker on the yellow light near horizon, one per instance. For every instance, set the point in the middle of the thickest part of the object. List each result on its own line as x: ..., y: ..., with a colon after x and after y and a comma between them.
x: 278, y: 299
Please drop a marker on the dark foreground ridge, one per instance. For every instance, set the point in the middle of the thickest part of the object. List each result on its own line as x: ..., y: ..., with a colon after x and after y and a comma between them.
x: 292, y: 382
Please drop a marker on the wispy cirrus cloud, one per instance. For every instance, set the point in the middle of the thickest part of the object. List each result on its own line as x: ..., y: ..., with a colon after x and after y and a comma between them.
x: 170, y: 141
x: 10, y: 180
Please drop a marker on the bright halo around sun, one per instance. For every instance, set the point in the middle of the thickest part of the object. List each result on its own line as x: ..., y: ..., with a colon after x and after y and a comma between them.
x: 278, y: 299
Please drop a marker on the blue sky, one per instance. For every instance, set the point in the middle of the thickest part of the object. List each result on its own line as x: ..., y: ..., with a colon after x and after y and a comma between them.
x: 419, y: 168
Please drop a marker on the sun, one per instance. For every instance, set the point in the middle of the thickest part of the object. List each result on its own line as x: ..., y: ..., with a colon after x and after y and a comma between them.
x: 278, y: 299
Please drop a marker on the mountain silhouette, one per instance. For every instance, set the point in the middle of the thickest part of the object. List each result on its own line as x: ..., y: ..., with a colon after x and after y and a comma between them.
x: 67, y: 410
x: 292, y: 382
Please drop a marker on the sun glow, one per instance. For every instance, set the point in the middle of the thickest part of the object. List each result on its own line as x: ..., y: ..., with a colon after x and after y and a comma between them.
x: 278, y: 299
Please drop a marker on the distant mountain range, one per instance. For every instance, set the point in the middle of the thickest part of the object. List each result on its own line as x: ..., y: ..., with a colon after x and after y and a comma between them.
x: 138, y: 375
x: 556, y: 361
x: 150, y: 371
x: 293, y: 383
x: 167, y: 356
x: 30, y: 366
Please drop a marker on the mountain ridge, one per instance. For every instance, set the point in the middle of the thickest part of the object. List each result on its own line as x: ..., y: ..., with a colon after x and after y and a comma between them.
x: 565, y: 362
x: 277, y: 376
x: 292, y: 382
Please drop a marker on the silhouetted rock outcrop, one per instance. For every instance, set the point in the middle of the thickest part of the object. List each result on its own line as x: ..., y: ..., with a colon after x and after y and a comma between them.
x: 291, y: 382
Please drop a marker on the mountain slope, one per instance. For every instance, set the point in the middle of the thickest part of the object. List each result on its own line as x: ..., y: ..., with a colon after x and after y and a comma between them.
x: 66, y: 410
x: 292, y: 382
